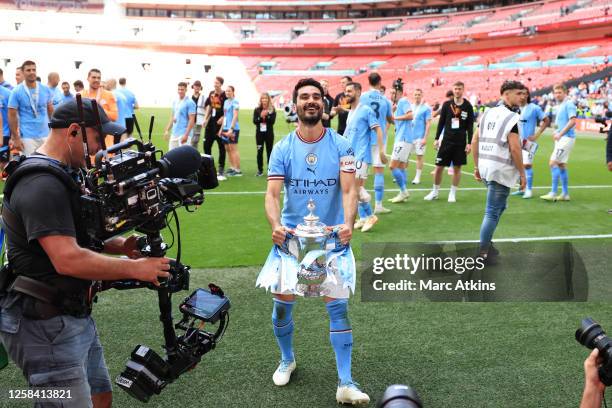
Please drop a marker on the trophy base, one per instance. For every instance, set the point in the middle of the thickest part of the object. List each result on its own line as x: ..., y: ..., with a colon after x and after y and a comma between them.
x: 305, y: 290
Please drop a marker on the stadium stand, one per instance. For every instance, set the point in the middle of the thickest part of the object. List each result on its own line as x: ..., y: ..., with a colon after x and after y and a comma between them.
x: 257, y: 66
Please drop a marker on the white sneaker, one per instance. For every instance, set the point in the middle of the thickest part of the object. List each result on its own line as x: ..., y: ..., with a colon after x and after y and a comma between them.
x: 400, y: 198
x: 369, y: 223
x: 549, y: 197
x: 221, y: 177
x: 282, y: 375
x: 359, y: 223
x: 381, y: 210
x: 563, y: 197
x: 351, y: 394
x: 433, y: 195
x: 452, y: 197
x: 527, y: 194
x: 416, y: 181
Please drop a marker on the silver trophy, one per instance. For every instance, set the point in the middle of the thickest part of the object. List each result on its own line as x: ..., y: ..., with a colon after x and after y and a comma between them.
x: 311, y: 237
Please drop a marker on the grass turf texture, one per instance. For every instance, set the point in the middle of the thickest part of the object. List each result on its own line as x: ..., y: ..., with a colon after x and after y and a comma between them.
x: 460, y: 355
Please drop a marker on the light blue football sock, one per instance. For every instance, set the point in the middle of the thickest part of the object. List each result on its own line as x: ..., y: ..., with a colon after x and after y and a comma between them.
x: 341, y: 337
x: 400, y: 177
x: 282, y: 325
x: 379, y: 187
x: 555, y: 178
x: 564, y: 181
x: 529, y: 174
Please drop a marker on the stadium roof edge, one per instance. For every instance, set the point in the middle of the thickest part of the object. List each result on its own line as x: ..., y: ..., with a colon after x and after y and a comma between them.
x: 268, y: 4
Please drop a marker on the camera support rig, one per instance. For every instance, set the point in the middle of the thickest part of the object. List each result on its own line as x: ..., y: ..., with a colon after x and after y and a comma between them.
x: 133, y: 190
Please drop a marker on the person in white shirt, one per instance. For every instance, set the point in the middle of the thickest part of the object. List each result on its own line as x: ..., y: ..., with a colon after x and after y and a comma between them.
x: 498, y: 160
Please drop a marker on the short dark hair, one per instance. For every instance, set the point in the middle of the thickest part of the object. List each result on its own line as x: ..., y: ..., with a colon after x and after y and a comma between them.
x: 348, y: 78
x: 510, y: 85
x: 65, y: 83
x: 306, y: 82
x: 182, y: 84
x: 355, y: 85
x: 459, y: 83
x: 449, y: 94
x: 374, y: 79
x: 560, y: 86
x: 26, y: 63
x: 220, y: 79
x: 122, y: 81
x: 96, y: 70
x: 230, y: 86
x: 78, y: 82
x: 1, y: 71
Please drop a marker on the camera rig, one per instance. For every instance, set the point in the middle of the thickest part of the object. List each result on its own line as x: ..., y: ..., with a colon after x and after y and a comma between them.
x: 129, y: 188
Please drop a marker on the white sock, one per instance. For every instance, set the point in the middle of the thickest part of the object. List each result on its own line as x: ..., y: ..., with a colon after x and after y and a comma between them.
x: 436, y: 188
x: 378, y: 204
x: 418, y: 174
x: 453, y: 189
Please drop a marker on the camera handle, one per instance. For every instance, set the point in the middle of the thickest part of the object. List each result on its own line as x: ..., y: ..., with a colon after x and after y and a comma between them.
x: 157, y: 249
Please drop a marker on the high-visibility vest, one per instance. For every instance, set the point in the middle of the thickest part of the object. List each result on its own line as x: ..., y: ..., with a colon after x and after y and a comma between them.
x: 494, y: 158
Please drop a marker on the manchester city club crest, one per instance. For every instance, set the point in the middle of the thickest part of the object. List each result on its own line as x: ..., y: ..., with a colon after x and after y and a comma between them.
x: 311, y: 159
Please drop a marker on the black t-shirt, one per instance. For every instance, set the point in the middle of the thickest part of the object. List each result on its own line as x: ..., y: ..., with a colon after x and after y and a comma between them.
x: 42, y: 202
x: 455, y: 132
x: 215, y: 102
x: 328, y: 101
x: 342, y: 116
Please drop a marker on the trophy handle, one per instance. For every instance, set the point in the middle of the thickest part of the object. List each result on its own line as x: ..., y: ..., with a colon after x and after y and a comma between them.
x: 284, y: 248
x: 333, y: 235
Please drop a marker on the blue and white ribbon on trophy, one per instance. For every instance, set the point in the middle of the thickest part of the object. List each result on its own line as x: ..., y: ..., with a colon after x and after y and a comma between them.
x: 282, y: 266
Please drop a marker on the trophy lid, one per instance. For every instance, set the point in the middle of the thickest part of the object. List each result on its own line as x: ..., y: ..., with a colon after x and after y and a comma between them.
x: 311, y: 227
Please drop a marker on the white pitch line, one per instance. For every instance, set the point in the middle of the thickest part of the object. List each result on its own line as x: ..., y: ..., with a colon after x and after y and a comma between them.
x: 433, y: 165
x: 531, y: 239
x: 416, y: 189
x: 393, y: 190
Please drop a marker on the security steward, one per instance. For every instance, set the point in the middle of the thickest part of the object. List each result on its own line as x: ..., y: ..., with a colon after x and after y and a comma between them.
x: 46, y: 290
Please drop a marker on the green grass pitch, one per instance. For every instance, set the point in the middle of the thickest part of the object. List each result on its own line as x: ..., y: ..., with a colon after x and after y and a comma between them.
x: 455, y: 355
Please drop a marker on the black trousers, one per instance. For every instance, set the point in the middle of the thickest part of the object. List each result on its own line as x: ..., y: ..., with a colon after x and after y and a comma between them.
x: 263, y: 140
x: 211, y: 135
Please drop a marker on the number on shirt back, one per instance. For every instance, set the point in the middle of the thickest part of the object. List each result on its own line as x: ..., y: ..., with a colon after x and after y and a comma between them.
x: 376, y: 108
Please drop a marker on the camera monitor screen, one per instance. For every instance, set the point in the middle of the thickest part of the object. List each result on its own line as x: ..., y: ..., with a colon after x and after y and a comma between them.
x: 205, y: 306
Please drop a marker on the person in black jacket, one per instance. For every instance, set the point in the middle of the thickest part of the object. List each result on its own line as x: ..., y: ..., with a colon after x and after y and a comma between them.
x: 264, y: 117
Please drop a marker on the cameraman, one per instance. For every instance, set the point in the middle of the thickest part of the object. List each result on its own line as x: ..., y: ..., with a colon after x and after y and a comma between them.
x: 593, y: 387
x: 55, y: 343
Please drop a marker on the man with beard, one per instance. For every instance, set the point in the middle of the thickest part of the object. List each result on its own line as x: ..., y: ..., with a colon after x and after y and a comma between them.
x: 30, y: 107
x: 360, y: 124
x: 341, y: 106
x: 96, y: 91
x: 328, y: 102
x: 312, y: 163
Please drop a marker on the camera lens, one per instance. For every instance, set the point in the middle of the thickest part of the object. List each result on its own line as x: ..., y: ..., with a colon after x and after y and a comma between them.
x: 400, y: 396
x: 589, y: 330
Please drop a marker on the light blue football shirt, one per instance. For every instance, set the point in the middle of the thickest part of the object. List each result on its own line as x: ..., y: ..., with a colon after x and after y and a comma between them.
x: 311, y: 170
x: 228, y: 112
x: 181, y: 109
x: 360, y: 123
x: 382, y: 108
x: 565, y: 112
x: 422, y: 113
x: 131, y: 100
x: 403, y: 128
x: 31, y: 106
x: 531, y: 115
x: 5, y: 94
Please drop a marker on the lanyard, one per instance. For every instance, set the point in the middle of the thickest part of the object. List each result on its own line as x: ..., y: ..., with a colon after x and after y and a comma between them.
x: 456, y: 109
x: 33, y: 98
